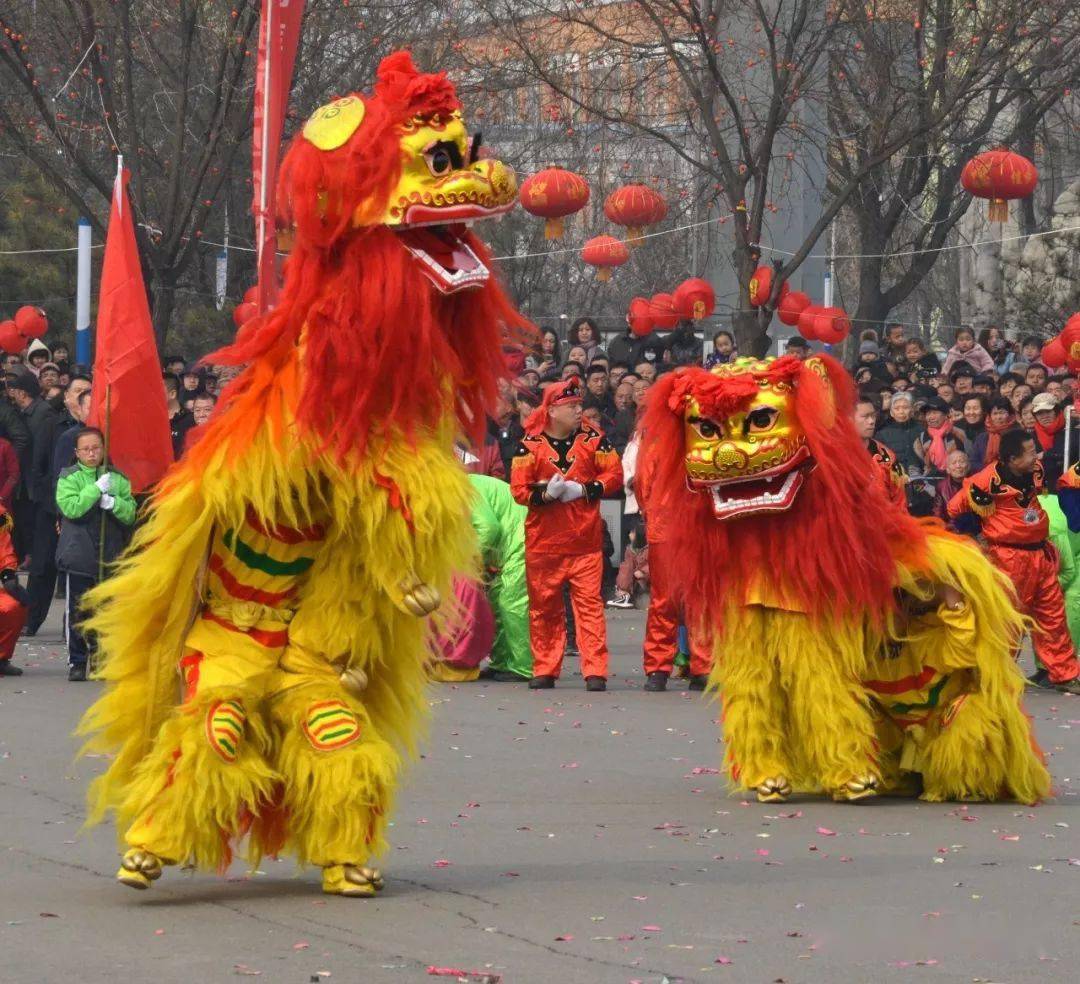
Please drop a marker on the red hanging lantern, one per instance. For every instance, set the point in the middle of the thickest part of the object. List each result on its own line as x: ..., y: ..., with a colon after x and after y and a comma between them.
x: 31, y: 321
x: 694, y: 299
x: 792, y: 306
x: 1070, y: 339
x: 605, y: 253
x: 243, y: 313
x: 999, y: 175
x: 664, y: 314
x: 639, y: 317
x: 761, y: 286
x: 1054, y: 355
x: 12, y: 340
x: 635, y: 206
x: 824, y: 324
x: 553, y: 194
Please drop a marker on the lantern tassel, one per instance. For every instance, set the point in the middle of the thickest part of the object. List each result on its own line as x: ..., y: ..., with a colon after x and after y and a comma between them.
x: 999, y: 210
x: 553, y: 228
x: 603, y: 274
x: 635, y: 236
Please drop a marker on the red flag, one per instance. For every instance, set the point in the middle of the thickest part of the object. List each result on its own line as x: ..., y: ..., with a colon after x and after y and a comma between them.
x: 126, y: 366
x: 279, y: 35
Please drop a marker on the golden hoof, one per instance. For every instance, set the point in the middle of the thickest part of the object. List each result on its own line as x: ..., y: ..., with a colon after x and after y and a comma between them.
x: 352, y: 881
x: 857, y: 789
x: 138, y: 868
x: 418, y: 598
x: 774, y: 790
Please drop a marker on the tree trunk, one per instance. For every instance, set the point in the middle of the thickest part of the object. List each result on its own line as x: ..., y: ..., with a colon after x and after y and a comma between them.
x: 164, y: 301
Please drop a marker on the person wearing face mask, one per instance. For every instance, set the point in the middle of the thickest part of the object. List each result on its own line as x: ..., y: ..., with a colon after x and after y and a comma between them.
x: 562, y: 469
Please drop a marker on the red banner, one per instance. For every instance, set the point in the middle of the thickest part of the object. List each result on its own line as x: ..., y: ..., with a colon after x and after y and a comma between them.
x: 127, y: 370
x: 279, y: 36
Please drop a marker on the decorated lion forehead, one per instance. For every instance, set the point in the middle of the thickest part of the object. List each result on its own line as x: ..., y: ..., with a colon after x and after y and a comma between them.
x: 399, y: 157
x: 745, y: 440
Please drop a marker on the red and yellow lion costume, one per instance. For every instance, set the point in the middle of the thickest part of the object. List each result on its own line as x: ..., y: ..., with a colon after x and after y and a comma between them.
x: 263, y: 642
x: 857, y: 649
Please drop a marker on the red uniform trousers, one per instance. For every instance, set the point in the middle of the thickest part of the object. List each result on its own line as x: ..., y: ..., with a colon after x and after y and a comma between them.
x: 662, y: 622
x: 1034, y: 574
x: 546, y: 574
x: 12, y: 620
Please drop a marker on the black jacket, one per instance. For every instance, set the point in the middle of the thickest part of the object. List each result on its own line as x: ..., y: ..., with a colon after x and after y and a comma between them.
x: 13, y: 427
x: 43, y: 423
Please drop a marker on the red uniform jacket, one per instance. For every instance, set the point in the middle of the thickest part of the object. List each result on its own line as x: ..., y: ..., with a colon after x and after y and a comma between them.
x: 568, y: 528
x: 889, y: 471
x: 1010, y: 515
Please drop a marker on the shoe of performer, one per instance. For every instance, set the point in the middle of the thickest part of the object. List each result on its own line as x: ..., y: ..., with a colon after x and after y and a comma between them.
x: 7, y: 669
x: 595, y: 684
x: 571, y: 652
x: 699, y: 681
x: 1040, y: 679
x: 505, y: 676
x: 77, y: 673
x: 139, y: 868
x: 542, y: 682
x: 351, y: 880
x: 620, y: 600
x: 1068, y: 687
x: 487, y: 673
x: 656, y: 681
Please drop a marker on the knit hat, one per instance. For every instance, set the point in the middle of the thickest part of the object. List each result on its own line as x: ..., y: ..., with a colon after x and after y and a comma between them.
x: 568, y: 391
x: 869, y: 348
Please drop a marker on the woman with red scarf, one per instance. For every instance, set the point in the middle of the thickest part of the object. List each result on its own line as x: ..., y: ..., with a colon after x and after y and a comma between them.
x: 939, y: 438
x: 1050, y: 437
x: 999, y: 420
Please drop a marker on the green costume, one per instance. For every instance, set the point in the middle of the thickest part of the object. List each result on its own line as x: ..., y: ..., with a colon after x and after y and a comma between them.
x: 500, y: 526
x: 1068, y: 547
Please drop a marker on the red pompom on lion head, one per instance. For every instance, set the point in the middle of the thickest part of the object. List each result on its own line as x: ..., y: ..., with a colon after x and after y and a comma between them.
x: 774, y: 491
x: 388, y: 294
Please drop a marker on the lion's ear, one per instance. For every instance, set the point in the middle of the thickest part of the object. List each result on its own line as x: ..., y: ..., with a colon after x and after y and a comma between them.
x: 818, y: 370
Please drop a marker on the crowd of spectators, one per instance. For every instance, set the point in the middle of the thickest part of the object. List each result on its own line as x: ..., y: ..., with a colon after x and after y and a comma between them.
x: 943, y: 414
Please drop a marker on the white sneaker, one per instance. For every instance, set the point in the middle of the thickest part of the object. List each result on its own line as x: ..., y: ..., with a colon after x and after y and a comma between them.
x: 621, y: 600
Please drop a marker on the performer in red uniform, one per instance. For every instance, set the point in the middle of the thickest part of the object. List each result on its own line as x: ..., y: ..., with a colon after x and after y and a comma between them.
x: 888, y: 471
x: 561, y: 470
x: 13, y: 598
x: 1005, y: 495
x: 666, y: 610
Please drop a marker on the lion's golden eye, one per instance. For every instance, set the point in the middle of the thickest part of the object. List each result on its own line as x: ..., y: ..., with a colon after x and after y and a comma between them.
x: 761, y: 419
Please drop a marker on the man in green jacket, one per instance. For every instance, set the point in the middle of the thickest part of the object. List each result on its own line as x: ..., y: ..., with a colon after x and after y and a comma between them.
x: 500, y: 526
x: 1068, y: 548
x: 97, y: 512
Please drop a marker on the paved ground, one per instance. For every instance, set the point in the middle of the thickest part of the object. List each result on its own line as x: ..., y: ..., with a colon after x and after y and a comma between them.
x: 550, y: 837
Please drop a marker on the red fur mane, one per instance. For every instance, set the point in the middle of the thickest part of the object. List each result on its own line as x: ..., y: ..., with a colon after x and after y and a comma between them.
x: 381, y: 347
x: 834, y: 552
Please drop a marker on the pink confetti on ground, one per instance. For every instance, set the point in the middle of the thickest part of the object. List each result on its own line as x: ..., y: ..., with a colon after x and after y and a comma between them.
x: 565, y: 938
x: 651, y: 929
x: 441, y: 863
x: 762, y: 852
x: 724, y: 960
x: 302, y: 945
x: 825, y: 832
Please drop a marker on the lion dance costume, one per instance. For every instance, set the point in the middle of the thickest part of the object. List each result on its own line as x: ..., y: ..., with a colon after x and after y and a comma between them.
x: 858, y: 650
x: 290, y: 556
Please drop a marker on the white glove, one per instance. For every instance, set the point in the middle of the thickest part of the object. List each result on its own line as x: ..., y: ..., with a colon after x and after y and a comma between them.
x: 555, y: 486
x: 103, y: 482
x: 571, y: 490
x: 107, y: 502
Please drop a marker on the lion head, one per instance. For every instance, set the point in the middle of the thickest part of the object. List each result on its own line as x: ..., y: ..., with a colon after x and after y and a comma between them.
x: 760, y: 462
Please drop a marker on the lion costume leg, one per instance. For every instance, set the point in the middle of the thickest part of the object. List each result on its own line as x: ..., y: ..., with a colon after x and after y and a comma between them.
x: 746, y: 673
x: 337, y: 776
x: 207, y: 770
x: 830, y: 717
x: 983, y: 750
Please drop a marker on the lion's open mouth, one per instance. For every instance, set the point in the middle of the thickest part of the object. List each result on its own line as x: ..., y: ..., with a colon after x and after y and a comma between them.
x: 770, y: 491
x: 444, y: 256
